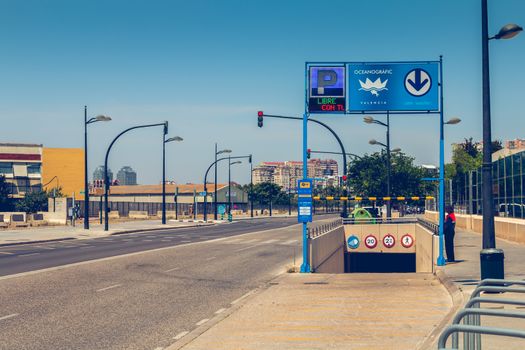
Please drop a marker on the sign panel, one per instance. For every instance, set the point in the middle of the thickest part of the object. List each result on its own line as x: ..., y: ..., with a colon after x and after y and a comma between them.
x: 393, y: 86
x: 304, y: 200
x: 327, y: 89
x: 221, y: 209
x: 407, y: 241
x: 370, y: 241
x: 353, y: 242
x: 389, y: 241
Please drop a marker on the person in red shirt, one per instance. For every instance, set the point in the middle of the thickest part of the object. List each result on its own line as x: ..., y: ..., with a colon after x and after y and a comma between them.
x: 450, y: 231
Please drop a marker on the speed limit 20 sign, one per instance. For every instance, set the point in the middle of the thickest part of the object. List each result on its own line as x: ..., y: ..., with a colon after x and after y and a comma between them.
x: 370, y: 241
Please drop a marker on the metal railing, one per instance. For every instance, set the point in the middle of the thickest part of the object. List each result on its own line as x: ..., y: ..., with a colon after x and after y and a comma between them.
x: 383, y: 221
x: 324, y: 228
x: 429, y: 225
x: 471, y: 315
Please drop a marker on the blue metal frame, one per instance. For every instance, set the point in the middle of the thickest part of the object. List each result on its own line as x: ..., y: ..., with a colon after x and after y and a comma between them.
x: 441, y: 259
x: 305, y: 267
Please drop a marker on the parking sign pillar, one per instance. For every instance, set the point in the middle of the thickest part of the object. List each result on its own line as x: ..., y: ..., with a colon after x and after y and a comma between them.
x: 305, y: 267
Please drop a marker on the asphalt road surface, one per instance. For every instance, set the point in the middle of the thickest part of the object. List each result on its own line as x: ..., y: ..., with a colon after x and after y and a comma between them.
x: 148, y: 289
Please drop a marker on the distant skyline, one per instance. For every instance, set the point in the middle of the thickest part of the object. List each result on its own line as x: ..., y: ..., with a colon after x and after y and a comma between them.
x: 207, y: 67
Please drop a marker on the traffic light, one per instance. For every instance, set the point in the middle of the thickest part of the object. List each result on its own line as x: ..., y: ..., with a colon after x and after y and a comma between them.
x: 308, y: 153
x: 260, y: 119
x: 344, y: 178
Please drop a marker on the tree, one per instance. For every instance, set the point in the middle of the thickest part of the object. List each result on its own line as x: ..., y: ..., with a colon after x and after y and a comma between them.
x: 497, y: 145
x: 33, y: 201
x: 5, y: 201
x: 368, y: 176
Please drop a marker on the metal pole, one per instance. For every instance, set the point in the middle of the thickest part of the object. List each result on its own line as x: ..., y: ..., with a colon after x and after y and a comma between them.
x: 215, y: 188
x: 389, y: 165
x: 441, y: 258
x: 251, y: 188
x: 177, y: 203
x: 86, y: 184
x: 164, y: 178
x: 100, y: 209
x: 305, y: 267
x: 229, y: 186
x: 488, y: 235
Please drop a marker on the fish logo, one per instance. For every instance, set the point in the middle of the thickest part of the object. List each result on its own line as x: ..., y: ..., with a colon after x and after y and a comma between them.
x: 373, y: 86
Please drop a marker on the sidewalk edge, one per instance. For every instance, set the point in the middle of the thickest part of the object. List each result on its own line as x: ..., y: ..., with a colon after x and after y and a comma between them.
x: 38, y: 241
x: 458, y: 299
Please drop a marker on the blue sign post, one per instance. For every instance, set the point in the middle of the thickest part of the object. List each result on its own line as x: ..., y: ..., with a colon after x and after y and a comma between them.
x: 304, y: 200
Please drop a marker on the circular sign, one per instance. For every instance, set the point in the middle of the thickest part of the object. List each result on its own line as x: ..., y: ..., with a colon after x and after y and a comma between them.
x: 418, y: 82
x: 370, y: 241
x: 389, y: 241
x: 407, y: 241
x: 353, y: 242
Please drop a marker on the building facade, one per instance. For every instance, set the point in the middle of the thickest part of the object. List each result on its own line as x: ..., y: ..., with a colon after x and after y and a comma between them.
x: 21, y: 165
x: 127, y: 176
x: 285, y: 174
x: 64, y: 168
x: 98, y: 174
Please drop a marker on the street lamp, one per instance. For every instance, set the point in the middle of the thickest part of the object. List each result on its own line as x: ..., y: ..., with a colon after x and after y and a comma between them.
x: 491, y: 259
x: 215, y: 182
x: 98, y: 118
x: 442, y: 123
x: 230, y: 163
x: 370, y: 120
x: 106, y: 179
x: 171, y: 139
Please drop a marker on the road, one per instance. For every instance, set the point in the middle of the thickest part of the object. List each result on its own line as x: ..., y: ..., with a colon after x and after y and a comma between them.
x: 142, y: 300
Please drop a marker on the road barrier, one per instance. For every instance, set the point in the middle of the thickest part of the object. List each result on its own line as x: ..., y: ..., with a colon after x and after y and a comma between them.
x: 326, y: 244
x: 372, y: 198
x: 471, y: 315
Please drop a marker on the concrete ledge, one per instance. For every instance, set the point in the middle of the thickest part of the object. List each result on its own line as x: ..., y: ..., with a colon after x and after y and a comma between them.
x: 136, y: 214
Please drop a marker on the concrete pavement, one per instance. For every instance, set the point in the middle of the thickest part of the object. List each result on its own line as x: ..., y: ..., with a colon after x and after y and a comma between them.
x: 329, y: 311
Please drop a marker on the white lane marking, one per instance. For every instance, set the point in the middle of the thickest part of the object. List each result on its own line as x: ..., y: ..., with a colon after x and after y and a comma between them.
x: 173, y: 269
x: 43, y: 247
x: 270, y: 241
x: 185, y: 241
x: 165, y: 240
x: 21, y: 255
x: 252, y: 246
x: 8, y: 316
x: 244, y: 296
x: 201, y: 322
x: 210, y: 258
x: 88, y: 246
x: 180, y: 335
x: 220, y: 311
x: 110, y: 287
x: 292, y: 241
x: 6, y: 253
x: 147, y: 240
x: 250, y: 241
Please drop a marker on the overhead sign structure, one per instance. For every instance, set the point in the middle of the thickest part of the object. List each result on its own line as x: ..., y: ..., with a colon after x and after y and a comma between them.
x: 348, y: 87
x: 389, y: 241
x: 327, y: 89
x: 393, y: 87
x: 304, y: 200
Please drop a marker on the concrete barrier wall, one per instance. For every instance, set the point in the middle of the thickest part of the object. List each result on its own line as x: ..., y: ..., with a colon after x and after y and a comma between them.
x: 327, y: 252
x: 427, y: 249
x: 510, y: 229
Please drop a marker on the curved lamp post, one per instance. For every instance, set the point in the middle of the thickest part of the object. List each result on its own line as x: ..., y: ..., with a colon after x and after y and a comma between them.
x: 171, y: 139
x: 224, y: 151
x: 98, y: 118
x: 491, y: 268
x: 230, y: 163
x: 106, y: 180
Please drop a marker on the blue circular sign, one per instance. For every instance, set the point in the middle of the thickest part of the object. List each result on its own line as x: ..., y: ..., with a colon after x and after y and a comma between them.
x: 353, y: 242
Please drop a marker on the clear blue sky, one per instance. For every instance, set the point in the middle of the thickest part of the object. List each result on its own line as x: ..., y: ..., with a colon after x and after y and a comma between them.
x: 208, y: 66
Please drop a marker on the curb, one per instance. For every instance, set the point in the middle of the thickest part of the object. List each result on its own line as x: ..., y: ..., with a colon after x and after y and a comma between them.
x: 458, y: 299
x: 156, y: 229
x: 39, y: 241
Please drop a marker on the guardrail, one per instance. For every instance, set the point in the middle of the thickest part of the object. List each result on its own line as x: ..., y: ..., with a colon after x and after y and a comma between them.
x: 322, y: 229
x: 429, y: 225
x: 373, y: 221
x: 471, y: 315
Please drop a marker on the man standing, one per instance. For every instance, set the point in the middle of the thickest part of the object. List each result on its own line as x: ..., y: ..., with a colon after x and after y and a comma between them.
x: 450, y: 231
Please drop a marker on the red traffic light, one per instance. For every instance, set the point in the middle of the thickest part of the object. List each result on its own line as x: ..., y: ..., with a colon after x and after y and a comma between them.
x: 260, y: 113
x: 344, y: 177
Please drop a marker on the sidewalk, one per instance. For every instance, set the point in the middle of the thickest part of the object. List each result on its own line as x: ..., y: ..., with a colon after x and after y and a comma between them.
x: 465, y: 274
x: 330, y: 311
x: 52, y: 233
